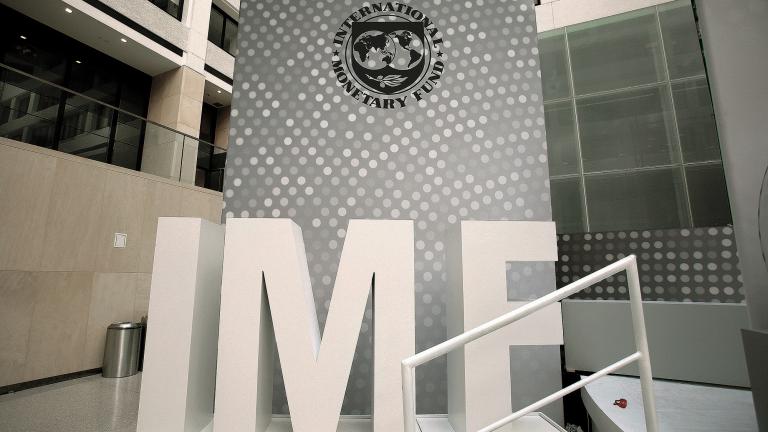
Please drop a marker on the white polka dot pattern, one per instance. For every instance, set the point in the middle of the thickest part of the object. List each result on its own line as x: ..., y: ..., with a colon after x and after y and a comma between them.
x: 697, y: 264
x: 474, y: 149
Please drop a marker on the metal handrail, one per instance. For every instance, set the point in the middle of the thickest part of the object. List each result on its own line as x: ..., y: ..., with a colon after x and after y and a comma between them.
x: 641, y: 356
x: 112, y: 107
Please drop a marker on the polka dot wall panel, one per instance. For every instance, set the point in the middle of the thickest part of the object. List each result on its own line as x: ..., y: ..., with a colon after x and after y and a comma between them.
x: 473, y: 148
x: 696, y: 264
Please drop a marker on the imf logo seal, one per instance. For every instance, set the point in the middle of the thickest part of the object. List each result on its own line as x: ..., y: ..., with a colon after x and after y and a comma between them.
x: 388, y: 55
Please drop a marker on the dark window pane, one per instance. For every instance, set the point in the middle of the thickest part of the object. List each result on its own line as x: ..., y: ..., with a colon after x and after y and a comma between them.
x: 635, y: 201
x: 616, y: 52
x: 216, y: 27
x: 127, y: 141
x: 554, y: 65
x: 561, y: 138
x: 230, y: 37
x: 567, y: 208
x: 629, y: 129
x: 85, y: 129
x: 171, y: 7
x: 709, y: 195
x: 208, y: 123
x: 94, y: 79
x: 696, y: 121
x: 681, y: 40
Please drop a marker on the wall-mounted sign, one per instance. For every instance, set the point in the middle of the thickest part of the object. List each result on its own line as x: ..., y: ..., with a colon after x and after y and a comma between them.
x: 388, y: 55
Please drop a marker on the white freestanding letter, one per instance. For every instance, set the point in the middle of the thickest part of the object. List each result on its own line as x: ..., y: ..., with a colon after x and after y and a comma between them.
x: 180, y: 358
x: 479, y: 384
x: 266, y: 275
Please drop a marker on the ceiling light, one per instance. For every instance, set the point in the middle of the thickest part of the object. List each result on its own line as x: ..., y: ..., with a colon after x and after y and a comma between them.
x: 78, y: 61
x: 218, y: 91
x: 67, y: 10
x: 23, y: 37
x: 123, y: 40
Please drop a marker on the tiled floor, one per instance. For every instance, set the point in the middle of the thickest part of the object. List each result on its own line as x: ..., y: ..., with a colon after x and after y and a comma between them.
x: 91, y: 404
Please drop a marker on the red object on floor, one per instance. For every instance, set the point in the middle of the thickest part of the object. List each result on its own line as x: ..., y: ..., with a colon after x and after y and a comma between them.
x: 621, y: 403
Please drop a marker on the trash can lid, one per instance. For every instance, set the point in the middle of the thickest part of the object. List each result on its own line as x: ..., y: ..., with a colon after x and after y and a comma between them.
x: 124, y: 325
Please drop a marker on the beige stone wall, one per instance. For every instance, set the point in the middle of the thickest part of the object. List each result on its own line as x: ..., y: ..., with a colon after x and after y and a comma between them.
x: 61, y: 281
x: 175, y: 101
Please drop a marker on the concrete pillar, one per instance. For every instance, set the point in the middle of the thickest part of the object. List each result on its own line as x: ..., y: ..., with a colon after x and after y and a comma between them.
x: 197, y: 17
x: 176, y: 101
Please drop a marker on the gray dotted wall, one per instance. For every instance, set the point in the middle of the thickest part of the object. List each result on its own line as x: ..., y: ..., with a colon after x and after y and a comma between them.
x: 696, y: 264
x: 474, y: 150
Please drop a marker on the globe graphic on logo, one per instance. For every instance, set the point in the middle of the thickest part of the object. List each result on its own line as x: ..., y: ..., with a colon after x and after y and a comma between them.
x: 399, y: 49
x: 409, y: 49
x: 374, y: 50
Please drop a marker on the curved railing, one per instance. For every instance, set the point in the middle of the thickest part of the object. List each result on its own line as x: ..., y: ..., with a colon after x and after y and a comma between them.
x: 641, y: 356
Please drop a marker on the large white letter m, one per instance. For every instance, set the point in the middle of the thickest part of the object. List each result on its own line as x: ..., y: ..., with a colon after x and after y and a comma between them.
x: 266, y: 286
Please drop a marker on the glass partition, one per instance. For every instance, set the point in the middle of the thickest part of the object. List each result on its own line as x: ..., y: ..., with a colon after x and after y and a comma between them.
x: 631, y: 134
x: 45, y: 114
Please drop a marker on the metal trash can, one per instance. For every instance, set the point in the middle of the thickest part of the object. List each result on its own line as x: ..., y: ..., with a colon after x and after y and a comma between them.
x: 121, y: 352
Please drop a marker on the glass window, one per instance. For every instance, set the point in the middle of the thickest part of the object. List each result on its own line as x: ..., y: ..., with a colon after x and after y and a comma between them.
x: 208, y: 123
x: 681, y: 40
x: 567, y: 208
x: 708, y: 195
x: 616, y: 52
x: 555, y: 81
x: 91, y: 78
x: 171, y: 7
x: 628, y: 129
x: 229, y: 43
x: 696, y: 121
x: 222, y: 31
x: 216, y: 27
x: 636, y: 200
x: 561, y: 138
x: 128, y: 139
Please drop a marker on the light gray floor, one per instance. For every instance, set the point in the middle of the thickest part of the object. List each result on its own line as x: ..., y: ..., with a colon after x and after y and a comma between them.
x: 681, y: 407
x: 96, y: 404
x: 91, y: 404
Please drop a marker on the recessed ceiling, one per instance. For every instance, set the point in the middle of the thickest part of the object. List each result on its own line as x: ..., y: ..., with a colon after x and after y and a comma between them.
x: 214, y: 95
x: 96, y: 34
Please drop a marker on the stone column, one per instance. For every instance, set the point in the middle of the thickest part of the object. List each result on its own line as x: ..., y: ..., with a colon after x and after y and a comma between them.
x: 176, y: 101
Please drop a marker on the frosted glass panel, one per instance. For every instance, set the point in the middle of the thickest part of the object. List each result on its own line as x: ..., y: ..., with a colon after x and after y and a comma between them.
x: 554, y: 65
x: 614, y: 53
x: 634, y: 201
x: 567, y: 208
x: 681, y: 41
x: 708, y: 194
x: 631, y: 135
x: 629, y: 129
x: 561, y: 138
x: 696, y: 121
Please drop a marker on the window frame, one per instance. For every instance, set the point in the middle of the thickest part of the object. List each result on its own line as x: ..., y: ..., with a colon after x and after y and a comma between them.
x: 671, y: 85
x: 179, y: 14
x: 228, y: 21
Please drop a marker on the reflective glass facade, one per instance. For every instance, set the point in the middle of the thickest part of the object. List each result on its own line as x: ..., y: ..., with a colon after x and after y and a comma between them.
x: 38, y: 64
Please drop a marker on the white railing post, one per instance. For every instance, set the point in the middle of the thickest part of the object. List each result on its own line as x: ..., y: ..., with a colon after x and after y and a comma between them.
x: 642, y: 356
x: 641, y: 344
x: 409, y: 398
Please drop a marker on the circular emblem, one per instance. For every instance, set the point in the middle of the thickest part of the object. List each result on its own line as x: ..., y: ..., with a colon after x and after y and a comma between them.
x: 388, y: 55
